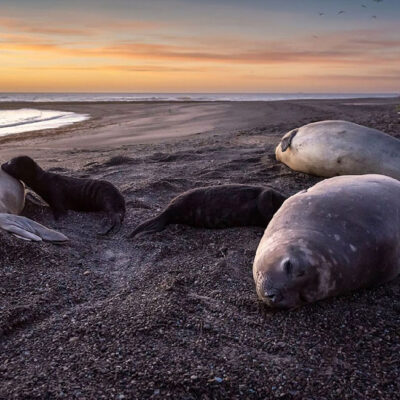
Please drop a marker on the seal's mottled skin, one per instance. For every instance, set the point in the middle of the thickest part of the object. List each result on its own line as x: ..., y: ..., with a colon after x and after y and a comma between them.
x: 330, y: 148
x: 64, y: 193
x: 218, y: 207
x: 340, y: 235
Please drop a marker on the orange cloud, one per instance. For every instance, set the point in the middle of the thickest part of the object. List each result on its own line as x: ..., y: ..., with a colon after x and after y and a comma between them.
x: 30, y: 27
x: 121, y: 68
x: 91, y: 27
x: 345, y: 49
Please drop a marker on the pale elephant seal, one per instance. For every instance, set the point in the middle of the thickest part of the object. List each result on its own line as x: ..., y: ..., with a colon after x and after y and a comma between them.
x: 342, y: 234
x: 12, y: 194
x: 330, y: 148
x: 218, y: 207
x: 12, y: 201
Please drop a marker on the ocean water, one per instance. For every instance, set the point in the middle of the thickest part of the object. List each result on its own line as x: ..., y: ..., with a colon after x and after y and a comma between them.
x: 101, y: 97
x: 27, y: 119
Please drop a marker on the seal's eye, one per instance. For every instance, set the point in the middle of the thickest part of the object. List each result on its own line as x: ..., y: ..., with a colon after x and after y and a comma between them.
x: 287, y: 267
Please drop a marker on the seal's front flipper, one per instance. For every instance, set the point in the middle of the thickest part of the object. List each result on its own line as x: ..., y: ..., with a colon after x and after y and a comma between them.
x: 152, y: 225
x: 287, y: 139
x: 25, y: 228
x: 106, y: 228
x: 35, y: 199
x: 115, y: 224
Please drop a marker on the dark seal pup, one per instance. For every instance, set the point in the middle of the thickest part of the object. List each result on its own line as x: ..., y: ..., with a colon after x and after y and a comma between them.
x: 342, y: 234
x: 64, y: 193
x: 217, y: 207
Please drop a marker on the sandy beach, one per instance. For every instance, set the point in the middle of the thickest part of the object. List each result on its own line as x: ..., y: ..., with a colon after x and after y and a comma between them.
x: 175, y: 314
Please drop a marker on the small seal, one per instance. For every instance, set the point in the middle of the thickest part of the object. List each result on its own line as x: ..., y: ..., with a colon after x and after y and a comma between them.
x: 339, y: 236
x: 64, y: 193
x: 217, y: 207
x: 330, y: 148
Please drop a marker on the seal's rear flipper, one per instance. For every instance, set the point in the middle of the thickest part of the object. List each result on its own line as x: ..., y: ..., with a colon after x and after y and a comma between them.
x: 23, y: 234
x: 25, y: 228
x: 152, y: 225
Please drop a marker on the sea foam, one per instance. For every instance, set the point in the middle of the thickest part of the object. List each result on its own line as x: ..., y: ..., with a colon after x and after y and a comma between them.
x: 27, y: 119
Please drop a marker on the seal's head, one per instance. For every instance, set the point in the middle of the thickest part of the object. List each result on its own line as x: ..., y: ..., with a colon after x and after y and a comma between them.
x: 22, y: 167
x: 291, y: 276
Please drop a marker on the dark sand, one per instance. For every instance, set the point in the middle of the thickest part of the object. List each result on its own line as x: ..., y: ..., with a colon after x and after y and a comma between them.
x: 175, y: 314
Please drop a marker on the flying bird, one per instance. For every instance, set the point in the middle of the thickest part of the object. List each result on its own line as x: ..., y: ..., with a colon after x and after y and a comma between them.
x: 341, y: 12
x: 378, y: 1
x: 374, y: 17
x: 321, y: 13
x: 363, y: 5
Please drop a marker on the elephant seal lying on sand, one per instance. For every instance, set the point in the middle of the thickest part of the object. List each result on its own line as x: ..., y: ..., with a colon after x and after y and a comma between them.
x: 12, y: 201
x: 330, y: 148
x: 340, y: 235
x: 217, y: 207
x: 64, y: 193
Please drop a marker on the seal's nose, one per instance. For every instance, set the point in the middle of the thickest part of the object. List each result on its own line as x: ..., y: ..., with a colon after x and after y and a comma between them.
x: 273, y: 297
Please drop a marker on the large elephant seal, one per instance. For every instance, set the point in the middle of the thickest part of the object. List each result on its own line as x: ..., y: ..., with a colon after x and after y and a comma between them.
x: 64, y: 193
x: 342, y: 234
x: 330, y: 148
x: 218, y: 207
x: 12, y: 201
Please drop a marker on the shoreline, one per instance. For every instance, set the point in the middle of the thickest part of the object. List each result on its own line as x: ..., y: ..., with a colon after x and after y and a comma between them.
x: 92, y: 109
x: 22, y: 120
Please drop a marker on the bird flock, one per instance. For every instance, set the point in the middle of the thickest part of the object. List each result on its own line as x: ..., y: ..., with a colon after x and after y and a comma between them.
x: 340, y: 12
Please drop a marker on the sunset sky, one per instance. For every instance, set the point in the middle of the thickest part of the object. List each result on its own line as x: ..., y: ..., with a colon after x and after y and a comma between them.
x: 200, y: 46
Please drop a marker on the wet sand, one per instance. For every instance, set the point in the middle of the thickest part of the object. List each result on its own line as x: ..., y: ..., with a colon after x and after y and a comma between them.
x: 175, y: 314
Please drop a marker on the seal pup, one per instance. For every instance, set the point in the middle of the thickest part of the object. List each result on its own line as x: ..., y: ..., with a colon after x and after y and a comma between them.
x: 340, y: 235
x: 330, y: 148
x: 217, y: 207
x: 64, y: 193
x: 12, y: 201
